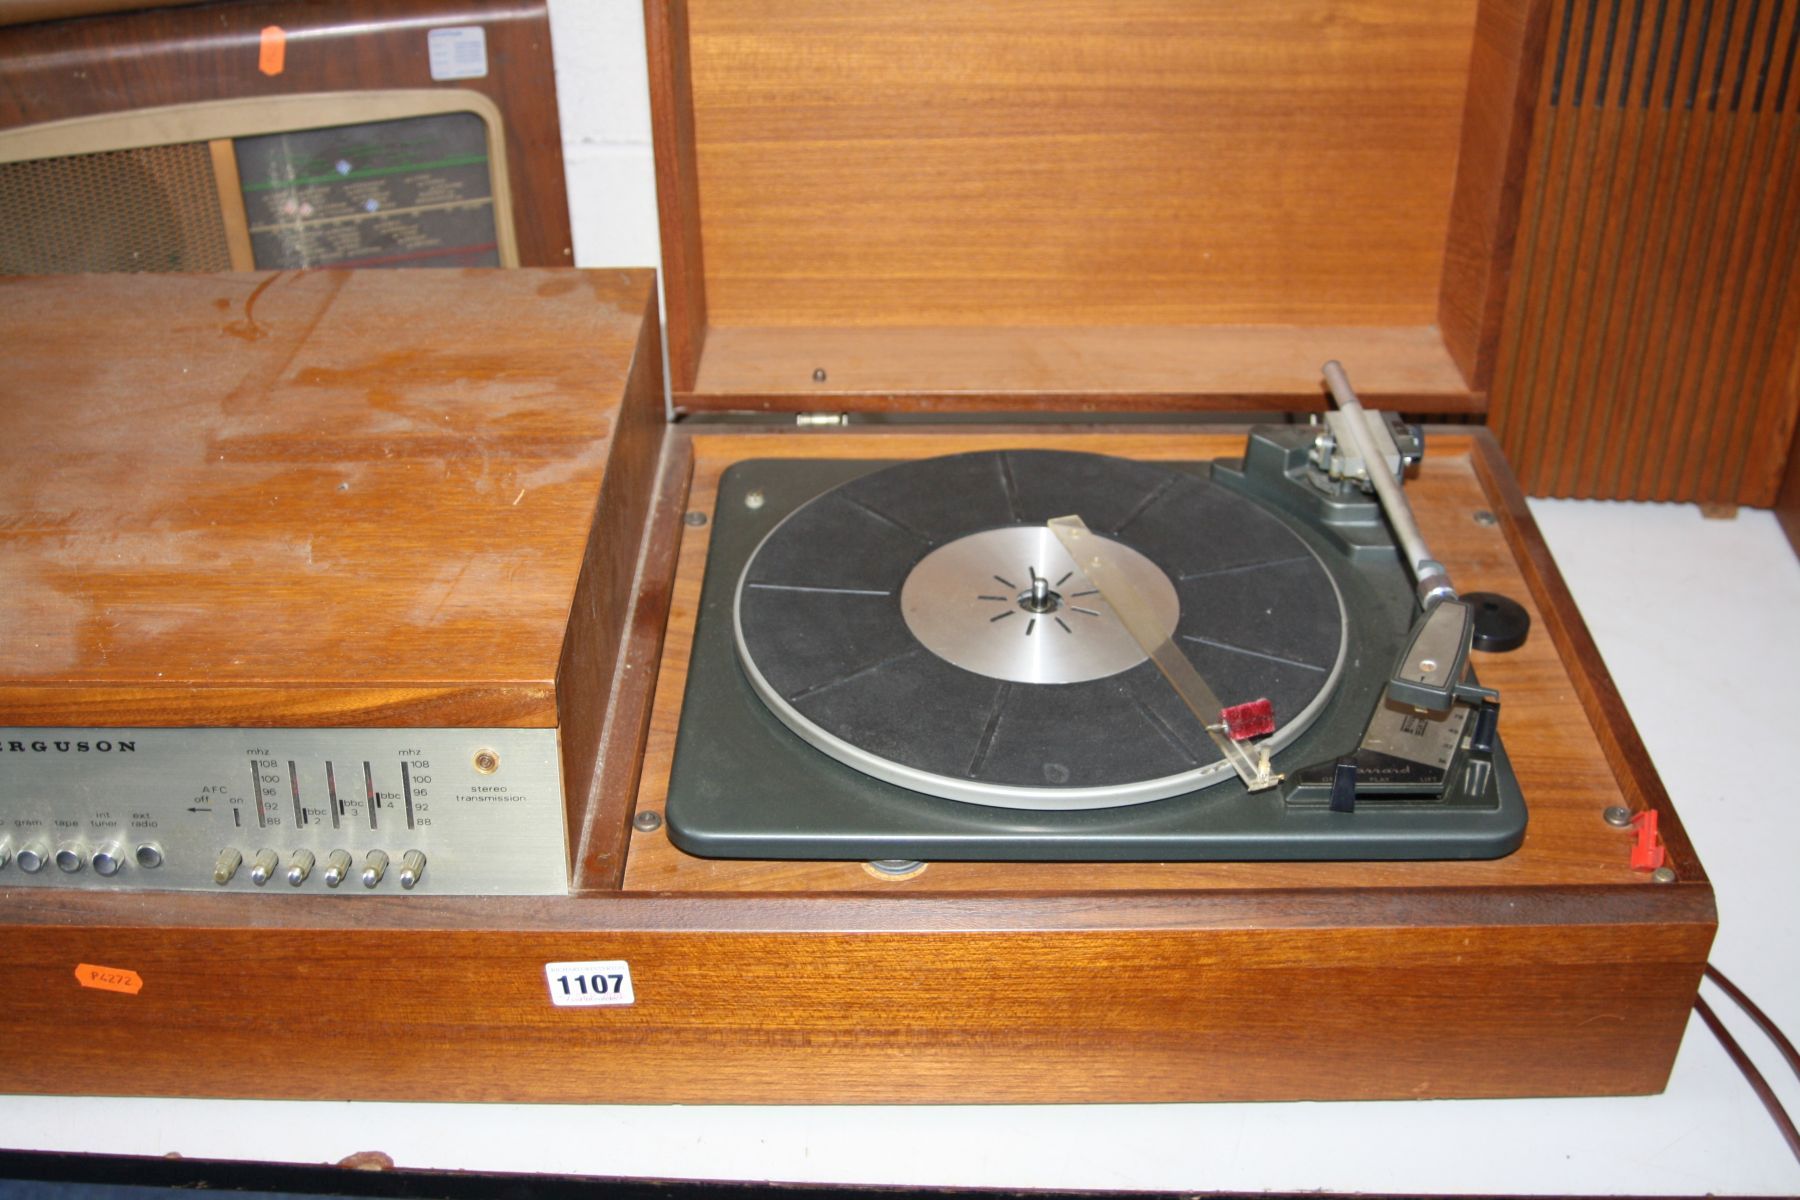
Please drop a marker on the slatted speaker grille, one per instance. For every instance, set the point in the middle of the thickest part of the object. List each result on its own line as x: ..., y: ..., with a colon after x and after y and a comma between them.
x: 1651, y: 333
x: 153, y: 209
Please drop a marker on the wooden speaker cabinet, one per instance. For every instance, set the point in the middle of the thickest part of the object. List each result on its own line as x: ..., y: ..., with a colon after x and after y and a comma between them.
x: 451, y: 505
x: 1650, y: 342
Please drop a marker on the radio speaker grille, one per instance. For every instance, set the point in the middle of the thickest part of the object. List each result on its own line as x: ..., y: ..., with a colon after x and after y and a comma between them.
x: 1649, y: 345
x: 150, y: 209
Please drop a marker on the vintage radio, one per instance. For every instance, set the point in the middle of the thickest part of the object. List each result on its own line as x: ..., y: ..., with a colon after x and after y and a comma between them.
x: 236, y: 137
x: 812, y: 758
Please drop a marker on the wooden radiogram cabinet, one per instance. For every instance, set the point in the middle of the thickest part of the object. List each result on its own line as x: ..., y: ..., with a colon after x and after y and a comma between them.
x: 852, y: 221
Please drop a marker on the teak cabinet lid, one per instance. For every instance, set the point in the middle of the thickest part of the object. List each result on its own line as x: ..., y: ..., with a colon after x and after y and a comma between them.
x: 299, y: 482
x: 985, y: 204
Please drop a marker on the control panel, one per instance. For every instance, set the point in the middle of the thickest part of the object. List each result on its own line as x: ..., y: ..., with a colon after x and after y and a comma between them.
x: 349, y: 812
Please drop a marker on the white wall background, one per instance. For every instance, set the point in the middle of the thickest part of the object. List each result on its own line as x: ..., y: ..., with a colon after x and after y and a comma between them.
x: 603, y: 98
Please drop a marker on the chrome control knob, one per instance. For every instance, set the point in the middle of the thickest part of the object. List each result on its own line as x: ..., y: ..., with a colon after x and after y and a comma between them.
x: 262, y: 867
x: 149, y: 856
x: 71, y: 857
x: 108, y: 859
x: 5, y: 851
x: 299, y: 867
x: 412, y: 867
x: 33, y: 856
x: 337, y: 867
x: 374, y: 867
x: 227, y: 866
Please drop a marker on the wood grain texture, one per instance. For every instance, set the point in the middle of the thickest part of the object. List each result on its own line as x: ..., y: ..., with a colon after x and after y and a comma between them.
x: 677, y: 186
x: 314, y: 498
x: 979, y: 163
x: 888, y: 176
x: 123, y: 61
x: 865, y: 1017
x: 1504, y: 71
x: 592, y: 680
x: 1565, y: 772
x: 949, y: 368
x: 1651, y: 335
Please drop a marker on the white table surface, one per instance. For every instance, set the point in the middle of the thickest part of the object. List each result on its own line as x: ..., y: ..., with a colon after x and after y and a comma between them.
x: 1698, y: 622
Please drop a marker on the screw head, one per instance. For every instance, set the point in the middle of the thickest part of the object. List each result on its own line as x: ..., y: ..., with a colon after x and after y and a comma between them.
x: 754, y: 498
x: 818, y: 374
x: 647, y: 821
x: 487, y: 762
x: 1618, y: 816
x: 695, y: 519
x: 1484, y: 517
x: 1663, y: 875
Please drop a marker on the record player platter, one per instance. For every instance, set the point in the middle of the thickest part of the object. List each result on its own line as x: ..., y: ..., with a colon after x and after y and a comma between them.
x: 922, y: 625
x: 899, y: 661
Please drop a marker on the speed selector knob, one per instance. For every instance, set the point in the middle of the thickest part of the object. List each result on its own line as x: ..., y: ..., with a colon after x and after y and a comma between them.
x: 108, y: 859
x: 262, y: 867
x: 374, y: 867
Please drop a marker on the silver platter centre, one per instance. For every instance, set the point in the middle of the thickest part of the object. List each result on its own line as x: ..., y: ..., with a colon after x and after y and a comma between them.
x: 1009, y: 604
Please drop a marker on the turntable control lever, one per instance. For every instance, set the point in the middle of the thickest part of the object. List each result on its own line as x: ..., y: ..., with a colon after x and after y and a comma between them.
x: 1428, y: 573
x: 1121, y: 595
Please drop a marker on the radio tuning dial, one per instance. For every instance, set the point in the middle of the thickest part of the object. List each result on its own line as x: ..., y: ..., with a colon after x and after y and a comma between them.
x: 108, y: 859
x: 337, y: 867
x: 374, y: 867
x: 299, y: 867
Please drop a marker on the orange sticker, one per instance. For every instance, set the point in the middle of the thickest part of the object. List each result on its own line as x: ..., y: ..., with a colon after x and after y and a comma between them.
x: 108, y: 979
x: 272, y: 59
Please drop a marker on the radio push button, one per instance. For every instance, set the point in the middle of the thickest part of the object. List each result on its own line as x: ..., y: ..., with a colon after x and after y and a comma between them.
x: 337, y: 867
x: 108, y: 859
x: 412, y: 868
x: 71, y: 857
x: 149, y: 856
x: 262, y: 867
x: 374, y: 867
x: 299, y: 867
x: 5, y: 851
x: 33, y: 856
x: 229, y: 862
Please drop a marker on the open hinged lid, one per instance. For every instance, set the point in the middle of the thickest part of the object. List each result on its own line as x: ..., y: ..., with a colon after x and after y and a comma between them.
x: 1129, y: 204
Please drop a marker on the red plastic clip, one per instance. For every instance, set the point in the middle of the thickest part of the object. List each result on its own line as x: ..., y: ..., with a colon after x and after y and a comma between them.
x: 1648, y: 852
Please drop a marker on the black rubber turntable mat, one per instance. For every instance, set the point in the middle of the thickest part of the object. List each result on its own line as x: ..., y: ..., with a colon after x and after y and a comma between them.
x: 819, y: 616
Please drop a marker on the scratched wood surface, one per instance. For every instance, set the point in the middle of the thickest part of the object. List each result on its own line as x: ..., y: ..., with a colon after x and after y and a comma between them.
x: 333, y: 497
x: 1566, y: 775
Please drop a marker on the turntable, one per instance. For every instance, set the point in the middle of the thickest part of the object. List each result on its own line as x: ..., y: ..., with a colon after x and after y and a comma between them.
x: 909, y: 666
